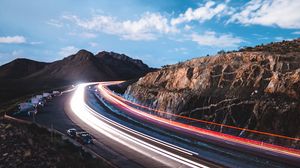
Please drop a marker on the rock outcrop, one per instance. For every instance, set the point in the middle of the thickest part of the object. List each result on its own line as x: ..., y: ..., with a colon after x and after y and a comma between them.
x: 258, y: 90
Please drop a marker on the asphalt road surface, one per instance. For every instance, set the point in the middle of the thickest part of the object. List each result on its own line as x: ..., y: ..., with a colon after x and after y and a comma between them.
x: 57, y: 115
x: 120, y: 141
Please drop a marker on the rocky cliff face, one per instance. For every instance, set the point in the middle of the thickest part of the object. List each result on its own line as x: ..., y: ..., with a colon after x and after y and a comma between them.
x: 259, y: 90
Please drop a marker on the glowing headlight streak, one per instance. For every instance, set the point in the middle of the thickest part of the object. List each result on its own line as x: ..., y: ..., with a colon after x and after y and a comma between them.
x: 87, y: 115
x: 141, y: 134
x: 107, y: 94
x: 198, y: 120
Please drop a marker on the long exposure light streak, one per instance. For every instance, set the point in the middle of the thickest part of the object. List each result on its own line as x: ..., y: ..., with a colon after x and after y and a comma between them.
x: 197, y: 120
x: 98, y: 122
x: 119, y: 102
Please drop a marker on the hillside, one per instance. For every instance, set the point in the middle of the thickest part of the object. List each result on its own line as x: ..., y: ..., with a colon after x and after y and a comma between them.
x: 19, y: 68
x: 84, y: 66
x: 22, y: 76
x: 279, y: 47
x: 253, y: 89
x: 24, y: 145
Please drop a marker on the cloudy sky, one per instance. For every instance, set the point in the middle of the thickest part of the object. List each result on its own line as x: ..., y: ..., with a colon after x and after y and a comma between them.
x: 157, y: 31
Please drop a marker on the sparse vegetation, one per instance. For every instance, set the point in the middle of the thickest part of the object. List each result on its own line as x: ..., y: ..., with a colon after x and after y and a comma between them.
x: 165, y: 66
x: 221, y: 52
x: 278, y: 47
x: 24, y: 145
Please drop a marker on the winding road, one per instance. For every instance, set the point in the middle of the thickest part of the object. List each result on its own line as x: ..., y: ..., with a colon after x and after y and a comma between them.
x: 128, y: 137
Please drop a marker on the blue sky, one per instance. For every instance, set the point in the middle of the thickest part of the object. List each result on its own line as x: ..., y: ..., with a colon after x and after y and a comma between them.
x: 155, y: 31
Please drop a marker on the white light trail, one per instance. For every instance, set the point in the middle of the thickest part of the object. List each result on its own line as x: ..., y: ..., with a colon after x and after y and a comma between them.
x: 96, y: 121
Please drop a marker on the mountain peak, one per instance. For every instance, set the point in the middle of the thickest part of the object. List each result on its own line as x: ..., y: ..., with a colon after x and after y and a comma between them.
x: 112, y: 54
x: 81, y: 55
x: 121, y: 57
x: 21, y: 59
x: 84, y: 52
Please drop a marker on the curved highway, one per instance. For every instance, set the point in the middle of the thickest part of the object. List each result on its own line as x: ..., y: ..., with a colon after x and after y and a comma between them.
x: 151, y: 141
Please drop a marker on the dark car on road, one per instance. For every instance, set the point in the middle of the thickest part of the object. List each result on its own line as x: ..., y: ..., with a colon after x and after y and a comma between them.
x: 84, y: 138
x: 72, y: 132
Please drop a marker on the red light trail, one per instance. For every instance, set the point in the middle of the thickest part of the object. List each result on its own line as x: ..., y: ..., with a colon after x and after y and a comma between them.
x: 122, y: 104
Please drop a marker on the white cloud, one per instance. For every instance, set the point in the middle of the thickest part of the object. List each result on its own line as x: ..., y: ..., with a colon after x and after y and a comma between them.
x: 148, y: 27
x: 201, y: 14
x: 86, y: 35
x: 13, y: 39
x: 93, y: 44
x: 12, y: 54
x: 210, y: 38
x: 17, y: 53
x: 296, y: 32
x: 55, y: 23
x: 187, y: 27
x: 279, y: 38
x: 36, y: 42
x: 281, y: 13
x: 181, y: 50
x: 67, y: 51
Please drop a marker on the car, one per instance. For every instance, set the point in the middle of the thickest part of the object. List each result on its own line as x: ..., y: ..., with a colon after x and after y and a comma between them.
x: 47, y: 96
x: 72, y: 132
x: 26, y: 108
x: 56, y: 93
x: 84, y: 138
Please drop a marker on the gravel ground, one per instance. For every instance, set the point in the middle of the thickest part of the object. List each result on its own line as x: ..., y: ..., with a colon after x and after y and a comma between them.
x: 26, y: 145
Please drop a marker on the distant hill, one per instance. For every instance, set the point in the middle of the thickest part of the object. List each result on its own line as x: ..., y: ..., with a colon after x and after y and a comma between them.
x: 23, y: 76
x: 19, y: 68
x: 84, y: 66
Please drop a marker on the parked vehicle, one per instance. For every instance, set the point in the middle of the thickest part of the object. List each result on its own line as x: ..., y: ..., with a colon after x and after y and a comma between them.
x: 37, y: 102
x: 27, y: 108
x: 42, y: 99
x: 56, y: 93
x: 72, y: 132
x: 47, y: 96
x: 39, y: 96
x: 84, y: 138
